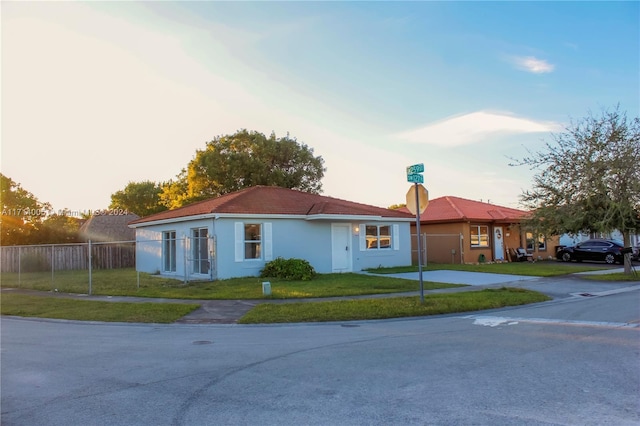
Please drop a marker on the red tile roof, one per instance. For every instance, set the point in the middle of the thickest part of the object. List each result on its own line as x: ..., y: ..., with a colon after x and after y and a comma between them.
x: 270, y: 200
x: 455, y: 209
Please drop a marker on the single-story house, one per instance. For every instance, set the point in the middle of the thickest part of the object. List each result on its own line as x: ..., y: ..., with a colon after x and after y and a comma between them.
x: 236, y: 234
x: 108, y: 227
x: 459, y: 230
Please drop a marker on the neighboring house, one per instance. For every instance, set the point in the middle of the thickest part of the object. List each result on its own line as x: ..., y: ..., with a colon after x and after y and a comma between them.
x: 466, y: 231
x: 236, y: 234
x: 108, y: 228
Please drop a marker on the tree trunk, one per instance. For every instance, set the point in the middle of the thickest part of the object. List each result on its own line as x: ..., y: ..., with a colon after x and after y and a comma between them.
x: 626, y: 238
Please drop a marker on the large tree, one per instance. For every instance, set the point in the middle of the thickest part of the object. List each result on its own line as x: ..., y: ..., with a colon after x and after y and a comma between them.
x: 244, y: 159
x: 588, y: 178
x: 22, y: 213
x: 141, y: 198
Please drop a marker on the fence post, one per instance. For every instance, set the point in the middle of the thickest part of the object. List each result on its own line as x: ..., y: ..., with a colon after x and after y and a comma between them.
x: 19, y: 265
x: 138, y: 274
x: 90, y: 262
x: 52, y: 266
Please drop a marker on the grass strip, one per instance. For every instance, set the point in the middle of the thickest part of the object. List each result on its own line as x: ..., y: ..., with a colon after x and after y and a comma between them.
x: 618, y: 276
x: 88, y: 310
x: 123, y: 282
x: 363, y: 309
x: 536, y: 269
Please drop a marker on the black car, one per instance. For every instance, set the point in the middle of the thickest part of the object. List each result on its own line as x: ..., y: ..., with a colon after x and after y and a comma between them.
x: 609, y: 251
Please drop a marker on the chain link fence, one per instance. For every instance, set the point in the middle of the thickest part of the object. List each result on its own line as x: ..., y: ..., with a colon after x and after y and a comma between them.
x: 67, y: 267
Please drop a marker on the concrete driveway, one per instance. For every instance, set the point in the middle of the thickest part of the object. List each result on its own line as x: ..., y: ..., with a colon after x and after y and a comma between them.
x: 460, y: 277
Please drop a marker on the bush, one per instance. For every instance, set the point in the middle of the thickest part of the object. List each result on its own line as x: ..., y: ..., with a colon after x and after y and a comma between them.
x: 33, y: 262
x: 288, y: 269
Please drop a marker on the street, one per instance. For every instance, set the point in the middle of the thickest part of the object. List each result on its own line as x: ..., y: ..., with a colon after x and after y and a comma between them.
x: 573, y: 361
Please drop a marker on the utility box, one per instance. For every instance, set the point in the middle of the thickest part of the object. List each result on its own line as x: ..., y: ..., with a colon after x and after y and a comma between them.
x: 266, y: 288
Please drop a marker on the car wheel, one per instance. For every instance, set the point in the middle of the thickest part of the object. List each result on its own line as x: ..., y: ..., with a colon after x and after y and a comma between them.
x: 610, y: 259
x: 566, y: 257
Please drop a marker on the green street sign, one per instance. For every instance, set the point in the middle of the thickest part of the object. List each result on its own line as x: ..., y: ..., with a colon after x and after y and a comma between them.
x: 416, y: 168
x: 415, y: 178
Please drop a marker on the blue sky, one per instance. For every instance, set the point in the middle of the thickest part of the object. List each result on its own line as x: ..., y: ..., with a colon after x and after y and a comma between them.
x: 95, y: 95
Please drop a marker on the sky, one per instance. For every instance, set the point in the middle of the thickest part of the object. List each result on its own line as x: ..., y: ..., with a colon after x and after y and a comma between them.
x: 95, y: 95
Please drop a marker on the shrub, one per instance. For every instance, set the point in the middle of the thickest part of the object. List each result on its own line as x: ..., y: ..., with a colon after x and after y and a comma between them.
x: 289, y: 269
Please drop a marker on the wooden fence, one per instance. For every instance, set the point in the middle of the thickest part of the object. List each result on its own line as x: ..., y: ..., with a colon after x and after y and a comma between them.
x: 63, y: 257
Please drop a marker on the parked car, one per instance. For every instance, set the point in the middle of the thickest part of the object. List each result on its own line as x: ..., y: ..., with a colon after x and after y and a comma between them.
x: 609, y: 251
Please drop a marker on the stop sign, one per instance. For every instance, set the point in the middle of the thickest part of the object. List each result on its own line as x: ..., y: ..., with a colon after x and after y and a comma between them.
x: 423, y: 198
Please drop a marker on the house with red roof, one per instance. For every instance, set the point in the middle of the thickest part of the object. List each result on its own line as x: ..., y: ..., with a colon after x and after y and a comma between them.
x: 236, y: 234
x: 458, y: 230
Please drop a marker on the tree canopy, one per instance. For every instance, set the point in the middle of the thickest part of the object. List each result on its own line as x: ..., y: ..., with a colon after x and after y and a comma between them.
x: 246, y: 158
x: 26, y: 220
x: 141, y: 198
x: 588, y: 177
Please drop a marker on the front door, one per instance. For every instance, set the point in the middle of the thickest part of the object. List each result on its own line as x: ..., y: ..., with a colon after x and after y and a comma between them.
x: 498, y: 243
x: 340, y: 247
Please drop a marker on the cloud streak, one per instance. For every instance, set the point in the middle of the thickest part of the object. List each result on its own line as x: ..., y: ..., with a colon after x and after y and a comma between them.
x: 532, y: 64
x: 473, y: 128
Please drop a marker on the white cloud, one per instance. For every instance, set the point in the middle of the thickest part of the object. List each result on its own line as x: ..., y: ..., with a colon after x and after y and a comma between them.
x: 473, y: 128
x: 533, y: 64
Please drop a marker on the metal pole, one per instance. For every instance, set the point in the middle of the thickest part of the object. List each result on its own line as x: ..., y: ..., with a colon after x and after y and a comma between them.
x: 52, y: 266
x: 138, y: 279
x: 19, y: 266
x: 419, y: 244
x: 90, y: 262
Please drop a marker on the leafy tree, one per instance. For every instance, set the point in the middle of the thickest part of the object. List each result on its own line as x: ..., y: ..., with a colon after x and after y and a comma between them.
x: 141, y: 198
x: 22, y: 213
x: 588, y: 179
x: 397, y: 206
x: 58, y: 229
x: 233, y: 162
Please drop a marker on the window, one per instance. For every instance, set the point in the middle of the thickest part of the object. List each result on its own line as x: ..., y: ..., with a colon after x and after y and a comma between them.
x: 479, y: 236
x: 200, y: 250
x: 532, y: 242
x: 378, y: 237
x: 169, y: 251
x: 252, y: 241
x: 542, y: 243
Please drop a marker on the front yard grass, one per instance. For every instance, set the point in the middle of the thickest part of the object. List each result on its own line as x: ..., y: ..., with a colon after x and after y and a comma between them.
x: 364, y: 309
x: 123, y: 282
x: 619, y: 276
x: 87, y: 310
x: 547, y: 268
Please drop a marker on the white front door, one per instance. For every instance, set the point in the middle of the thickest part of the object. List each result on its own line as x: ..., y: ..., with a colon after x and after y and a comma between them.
x: 498, y: 243
x: 340, y: 247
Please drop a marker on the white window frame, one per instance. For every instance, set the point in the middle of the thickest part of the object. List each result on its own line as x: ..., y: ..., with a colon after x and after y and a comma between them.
x: 265, y: 243
x: 197, y: 261
x: 480, y: 234
x: 169, y: 251
x: 366, y: 240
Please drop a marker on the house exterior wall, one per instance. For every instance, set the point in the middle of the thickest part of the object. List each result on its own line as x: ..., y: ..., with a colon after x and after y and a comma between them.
x: 441, y: 241
x: 149, y: 242
x: 281, y: 237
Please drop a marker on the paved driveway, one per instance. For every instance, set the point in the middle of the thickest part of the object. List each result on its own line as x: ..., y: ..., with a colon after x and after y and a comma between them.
x: 460, y: 277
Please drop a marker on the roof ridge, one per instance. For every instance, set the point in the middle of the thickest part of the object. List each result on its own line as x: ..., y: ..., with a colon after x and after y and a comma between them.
x: 448, y: 198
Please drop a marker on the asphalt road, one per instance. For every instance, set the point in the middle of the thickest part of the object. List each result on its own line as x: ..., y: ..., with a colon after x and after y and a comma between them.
x: 573, y: 361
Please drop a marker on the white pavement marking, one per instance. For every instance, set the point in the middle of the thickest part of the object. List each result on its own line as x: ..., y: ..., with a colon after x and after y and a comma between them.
x: 496, y: 321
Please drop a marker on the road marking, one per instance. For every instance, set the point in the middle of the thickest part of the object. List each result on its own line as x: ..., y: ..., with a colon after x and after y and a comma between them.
x: 491, y: 321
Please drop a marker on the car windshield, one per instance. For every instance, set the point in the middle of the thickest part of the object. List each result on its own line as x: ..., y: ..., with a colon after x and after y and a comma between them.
x: 618, y: 242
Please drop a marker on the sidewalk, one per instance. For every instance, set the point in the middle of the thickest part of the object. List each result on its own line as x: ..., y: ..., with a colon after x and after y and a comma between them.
x: 230, y: 311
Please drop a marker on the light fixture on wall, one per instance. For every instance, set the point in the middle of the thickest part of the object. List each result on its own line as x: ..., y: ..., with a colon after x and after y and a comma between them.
x: 356, y: 230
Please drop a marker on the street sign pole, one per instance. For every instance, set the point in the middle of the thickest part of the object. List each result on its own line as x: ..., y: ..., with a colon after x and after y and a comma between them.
x: 419, y: 244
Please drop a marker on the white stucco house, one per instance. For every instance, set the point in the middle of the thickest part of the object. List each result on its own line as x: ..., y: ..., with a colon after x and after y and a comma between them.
x: 236, y: 234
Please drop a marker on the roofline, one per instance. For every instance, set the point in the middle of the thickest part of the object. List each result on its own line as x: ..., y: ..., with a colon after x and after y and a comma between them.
x: 376, y: 218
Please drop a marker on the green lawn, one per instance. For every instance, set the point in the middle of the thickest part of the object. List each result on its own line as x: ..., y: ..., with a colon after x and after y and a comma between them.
x: 396, y: 307
x: 86, y: 310
x: 538, y: 269
x: 123, y: 282
x: 613, y: 277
